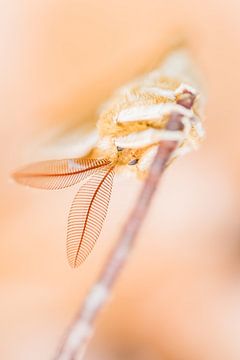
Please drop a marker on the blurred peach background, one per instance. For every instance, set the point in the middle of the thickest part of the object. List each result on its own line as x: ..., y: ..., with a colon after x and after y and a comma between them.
x: 179, y: 296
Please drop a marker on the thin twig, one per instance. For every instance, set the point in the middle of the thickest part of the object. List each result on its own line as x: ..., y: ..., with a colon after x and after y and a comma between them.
x: 79, y: 333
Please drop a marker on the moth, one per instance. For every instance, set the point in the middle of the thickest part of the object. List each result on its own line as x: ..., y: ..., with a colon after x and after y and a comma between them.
x: 130, y: 127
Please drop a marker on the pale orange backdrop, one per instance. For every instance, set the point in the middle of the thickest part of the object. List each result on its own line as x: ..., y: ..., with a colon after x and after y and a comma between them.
x: 179, y: 296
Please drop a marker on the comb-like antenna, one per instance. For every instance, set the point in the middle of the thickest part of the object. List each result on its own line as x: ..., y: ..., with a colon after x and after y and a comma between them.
x: 87, y: 214
x: 58, y: 174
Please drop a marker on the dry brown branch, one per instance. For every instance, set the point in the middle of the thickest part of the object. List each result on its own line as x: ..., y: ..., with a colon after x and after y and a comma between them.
x: 79, y: 333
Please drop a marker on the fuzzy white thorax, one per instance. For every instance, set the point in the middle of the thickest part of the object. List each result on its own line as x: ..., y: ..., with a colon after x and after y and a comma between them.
x: 151, y: 99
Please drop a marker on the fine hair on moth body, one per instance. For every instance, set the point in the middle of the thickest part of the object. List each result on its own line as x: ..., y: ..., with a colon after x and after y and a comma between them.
x: 161, y: 106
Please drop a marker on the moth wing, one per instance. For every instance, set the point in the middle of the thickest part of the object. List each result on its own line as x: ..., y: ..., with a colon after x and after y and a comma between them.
x: 87, y: 214
x: 58, y: 174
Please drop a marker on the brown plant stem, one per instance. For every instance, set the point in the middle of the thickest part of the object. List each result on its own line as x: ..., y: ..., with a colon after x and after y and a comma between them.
x: 79, y: 333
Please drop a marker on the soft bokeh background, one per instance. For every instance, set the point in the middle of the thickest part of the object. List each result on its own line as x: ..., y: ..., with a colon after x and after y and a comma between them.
x: 179, y: 296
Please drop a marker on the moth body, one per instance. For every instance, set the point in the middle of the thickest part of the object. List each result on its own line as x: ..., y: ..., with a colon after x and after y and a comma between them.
x: 163, y: 105
x: 135, y: 118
